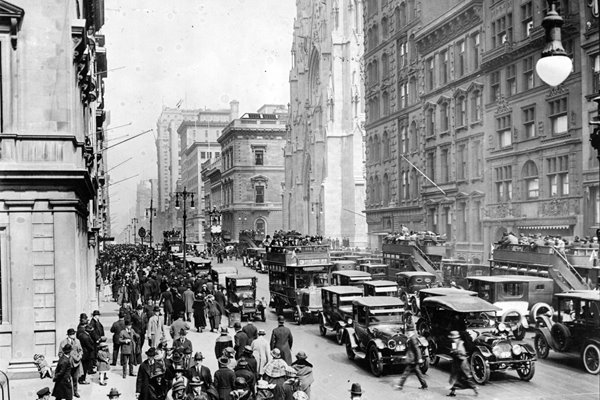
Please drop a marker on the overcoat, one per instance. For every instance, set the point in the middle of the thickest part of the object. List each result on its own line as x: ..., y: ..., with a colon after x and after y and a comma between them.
x: 282, y: 339
x: 63, y: 386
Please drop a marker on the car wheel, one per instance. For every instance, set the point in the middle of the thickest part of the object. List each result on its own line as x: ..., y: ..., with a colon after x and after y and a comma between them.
x: 404, y: 298
x: 298, y: 315
x: 434, y: 359
x: 539, y: 309
x: 591, y: 358
x: 425, y: 366
x: 375, y: 361
x: 339, y: 336
x: 349, y: 350
x: 322, y: 330
x: 561, y: 335
x: 541, y: 346
x: 527, y: 370
x: 422, y: 327
x: 479, y: 368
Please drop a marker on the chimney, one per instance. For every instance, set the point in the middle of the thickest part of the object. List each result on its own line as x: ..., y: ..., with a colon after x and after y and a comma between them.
x: 234, y: 109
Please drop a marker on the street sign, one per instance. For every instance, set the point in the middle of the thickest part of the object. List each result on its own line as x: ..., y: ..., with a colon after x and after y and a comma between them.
x: 142, y: 232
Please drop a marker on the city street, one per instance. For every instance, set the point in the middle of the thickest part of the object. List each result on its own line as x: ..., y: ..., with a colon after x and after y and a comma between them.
x: 558, y: 377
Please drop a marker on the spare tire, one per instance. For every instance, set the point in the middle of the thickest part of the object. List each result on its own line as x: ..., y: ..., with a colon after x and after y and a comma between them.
x: 518, y: 329
x: 561, y: 336
x: 539, y: 308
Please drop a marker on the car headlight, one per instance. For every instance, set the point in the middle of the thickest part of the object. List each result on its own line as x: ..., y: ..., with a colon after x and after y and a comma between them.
x: 400, y: 347
x: 241, y: 303
x: 501, y: 327
x: 517, y: 349
x: 350, y: 321
x: 391, y: 344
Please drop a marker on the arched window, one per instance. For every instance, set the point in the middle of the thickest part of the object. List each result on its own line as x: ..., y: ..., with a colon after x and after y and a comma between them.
x: 384, y: 28
x: 402, y: 14
x: 461, y: 111
x: 371, y: 157
x: 260, y: 226
x: 531, y: 180
x: 415, y: 183
x: 375, y: 71
x: 385, y: 64
x: 386, y: 190
x: 377, y: 190
x: 375, y: 35
x: 412, y: 51
x: 412, y: 90
x: 371, y: 191
x: 405, y: 186
x: 397, y: 19
x: 414, y: 139
x: 386, y: 146
x: 430, y: 121
x: 411, y: 12
x: 403, y: 140
x: 386, y: 103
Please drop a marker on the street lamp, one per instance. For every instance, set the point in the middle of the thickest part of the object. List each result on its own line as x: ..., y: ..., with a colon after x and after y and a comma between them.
x: 134, y: 221
x: 184, y: 195
x: 151, y: 211
x: 554, y: 66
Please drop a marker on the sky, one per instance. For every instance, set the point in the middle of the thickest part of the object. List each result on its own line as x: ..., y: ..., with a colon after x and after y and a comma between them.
x: 204, y: 53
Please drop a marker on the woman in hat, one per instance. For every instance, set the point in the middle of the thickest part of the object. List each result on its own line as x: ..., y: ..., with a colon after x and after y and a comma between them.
x: 199, y: 310
x: 103, y: 358
x: 195, y: 390
x: 224, y: 379
x: 241, y: 390
x: 224, y: 341
x: 460, y: 377
x: 177, y: 392
x: 304, y: 372
x: 242, y: 370
x: 264, y: 390
x: 276, y: 372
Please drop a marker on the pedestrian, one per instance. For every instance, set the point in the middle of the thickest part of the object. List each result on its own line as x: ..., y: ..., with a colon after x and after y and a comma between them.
x: 240, y: 340
x: 103, y: 360
x: 413, y: 360
x: 76, y: 353
x: 89, y: 353
x: 222, y: 342
x: 116, y: 329
x: 356, y: 392
x: 114, y: 394
x: 43, y: 394
x: 229, y: 352
x: 200, y: 371
x: 250, y: 331
x: 63, y: 387
x: 128, y: 340
x: 177, y: 391
x: 242, y: 390
x: 179, y: 377
x: 178, y: 325
x: 242, y: 369
x: 188, y: 299
x: 249, y: 356
x: 199, y: 310
x: 140, y: 325
x: 220, y: 299
x: 214, y: 313
x: 195, y: 391
x: 155, y: 328
x: 276, y: 372
x: 224, y: 379
x: 183, y: 343
x: 304, y: 372
x: 166, y: 300
x: 461, y: 376
x: 264, y: 390
x: 146, y: 371
x: 98, y: 332
x: 282, y: 338
x: 261, y: 352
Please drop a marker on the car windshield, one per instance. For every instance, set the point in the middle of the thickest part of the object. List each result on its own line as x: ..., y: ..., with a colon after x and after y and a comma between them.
x: 385, y: 316
x: 244, y: 293
x: 307, y: 280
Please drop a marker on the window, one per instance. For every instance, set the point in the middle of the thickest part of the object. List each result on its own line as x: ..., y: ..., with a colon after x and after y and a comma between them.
x: 429, y: 73
x: 386, y: 146
x: 386, y: 103
x: 531, y: 179
x: 259, y: 194
x: 461, y: 165
x: 448, y: 220
x: 444, y: 117
x: 512, y: 289
x: 377, y: 190
x: 527, y: 18
x: 444, y: 67
x: 462, y: 221
x: 403, y: 94
x: 259, y: 157
x: 412, y: 91
x: 478, y: 223
x: 504, y: 129
x: 528, y: 75
x: 385, y: 64
x: 495, y: 86
x: 460, y: 58
x: 413, y: 136
x: 430, y: 121
x: 403, y: 140
x: 558, y: 116
x: 595, y: 63
x: 503, y: 181
x: 384, y: 28
x: 376, y: 149
x: 475, y: 42
x: 511, y: 80
x: 402, y: 15
x: 445, y: 166
x: 415, y: 184
x: 430, y: 163
x: 529, y: 122
x: 405, y: 186
x: 412, y: 51
x: 402, y: 55
x: 260, y: 226
x: 461, y: 111
x: 502, y: 30
x: 476, y: 110
x: 433, y: 220
x: 386, y: 190
x: 558, y: 175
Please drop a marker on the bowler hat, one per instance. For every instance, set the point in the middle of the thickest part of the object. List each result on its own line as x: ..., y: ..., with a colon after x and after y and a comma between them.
x: 151, y: 352
x: 176, y: 356
x: 113, y: 392
x: 89, y: 328
x: 237, y: 325
x: 95, y: 312
x: 262, y: 332
x: 156, y: 308
x: 83, y: 316
x: 67, y: 348
x: 70, y: 331
x: 280, y: 319
x: 453, y: 335
x: 356, y: 389
x: 43, y: 392
x: 198, y: 356
x: 187, y: 350
x: 195, y: 381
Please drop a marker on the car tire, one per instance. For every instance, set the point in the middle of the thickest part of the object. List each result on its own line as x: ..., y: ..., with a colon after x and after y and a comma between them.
x: 322, y: 330
x: 404, y: 298
x: 375, y: 362
x: 349, y: 350
x: 422, y: 327
x: 339, y: 336
x: 591, y: 358
x: 425, y: 366
x: 517, y: 329
x: 434, y: 359
x: 527, y: 372
x: 479, y: 368
x: 561, y: 335
x: 539, y: 308
x: 542, y: 347
x: 298, y: 315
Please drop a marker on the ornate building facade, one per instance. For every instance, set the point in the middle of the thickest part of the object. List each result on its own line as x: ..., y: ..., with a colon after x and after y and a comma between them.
x: 51, y: 171
x: 324, y: 187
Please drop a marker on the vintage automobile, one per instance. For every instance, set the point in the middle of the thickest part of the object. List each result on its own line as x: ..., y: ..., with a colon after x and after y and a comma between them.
x: 415, y: 304
x: 200, y: 266
x: 410, y: 282
x: 378, y: 333
x: 377, y: 271
x: 350, y: 278
x: 343, y: 265
x: 380, y: 288
x: 308, y: 305
x: 577, y: 329
x: 218, y: 273
x: 487, y: 343
x: 455, y: 272
x: 241, y: 297
x: 337, y: 309
x: 520, y: 297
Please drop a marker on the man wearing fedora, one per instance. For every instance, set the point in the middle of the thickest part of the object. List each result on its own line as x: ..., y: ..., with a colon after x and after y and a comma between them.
x: 146, y: 371
x: 155, y: 328
x: 98, y: 332
x: 282, y: 339
x: 414, y: 359
x: 356, y: 391
x: 461, y: 376
x: 43, y: 394
x: 251, y: 331
x: 240, y: 339
x: 242, y: 369
x: 89, y: 352
x: 223, y: 342
x: 128, y: 340
x: 252, y: 363
x: 114, y: 394
x: 75, y: 354
x: 116, y: 329
x: 63, y: 387
x: 224, y: 379
x: 200, y: 371
x: 183, y: 342
x: 178, y: 325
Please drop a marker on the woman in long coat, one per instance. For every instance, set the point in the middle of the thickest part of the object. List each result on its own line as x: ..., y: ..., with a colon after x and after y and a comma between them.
x: 63, y: 386
x: 199, y: 317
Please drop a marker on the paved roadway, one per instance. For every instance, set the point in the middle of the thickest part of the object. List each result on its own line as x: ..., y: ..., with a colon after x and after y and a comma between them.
x: 558, y: 377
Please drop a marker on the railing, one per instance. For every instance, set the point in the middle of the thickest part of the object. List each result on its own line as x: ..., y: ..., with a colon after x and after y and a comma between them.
x: 429, y: 263
x: 573, y: 271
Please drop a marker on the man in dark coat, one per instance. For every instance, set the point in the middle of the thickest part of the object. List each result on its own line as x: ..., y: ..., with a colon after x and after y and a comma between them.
x: 98, y: 327
x: 200, y: 371
x: 224, y: 379
x: 282, y: 338
x: 63, y: 387
x: 139, y: 324
x: 224, y: 341
x: 146, y: 372
x: 248, y: 355
x: 413, y: 360
x: 242, y: 369
x: 183, y: 343
x: 116, y: 329
x: 129, y: 341
x: 240, y: 340
x: 89, y: 352
x: 251, y: 331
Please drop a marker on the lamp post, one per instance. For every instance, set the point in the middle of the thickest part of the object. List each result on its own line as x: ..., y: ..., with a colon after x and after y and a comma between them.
x: 555, y: 65
x: 134, y: 221
x: 151, y: 211
x: 184, y: 195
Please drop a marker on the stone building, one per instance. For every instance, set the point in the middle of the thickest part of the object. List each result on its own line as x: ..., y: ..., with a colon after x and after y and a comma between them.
x: 211, y: 180
x: 533, y: 141
x: 395, y: 94
x: 51, y: 171
x: 252, y: 172
x: 324, y: 183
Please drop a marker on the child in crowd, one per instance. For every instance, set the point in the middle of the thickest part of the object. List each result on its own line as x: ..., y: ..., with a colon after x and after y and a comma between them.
x: 103, y: 357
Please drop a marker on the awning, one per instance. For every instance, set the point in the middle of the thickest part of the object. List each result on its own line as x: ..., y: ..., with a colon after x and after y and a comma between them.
x: 539, y: 227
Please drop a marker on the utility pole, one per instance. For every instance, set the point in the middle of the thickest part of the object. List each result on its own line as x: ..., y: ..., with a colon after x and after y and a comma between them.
x: 134, y: 221
x: 184, y: 195
x: 152, y: 212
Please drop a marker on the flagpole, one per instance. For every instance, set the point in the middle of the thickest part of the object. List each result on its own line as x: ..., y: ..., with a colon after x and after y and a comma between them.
x: 422, y: 173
